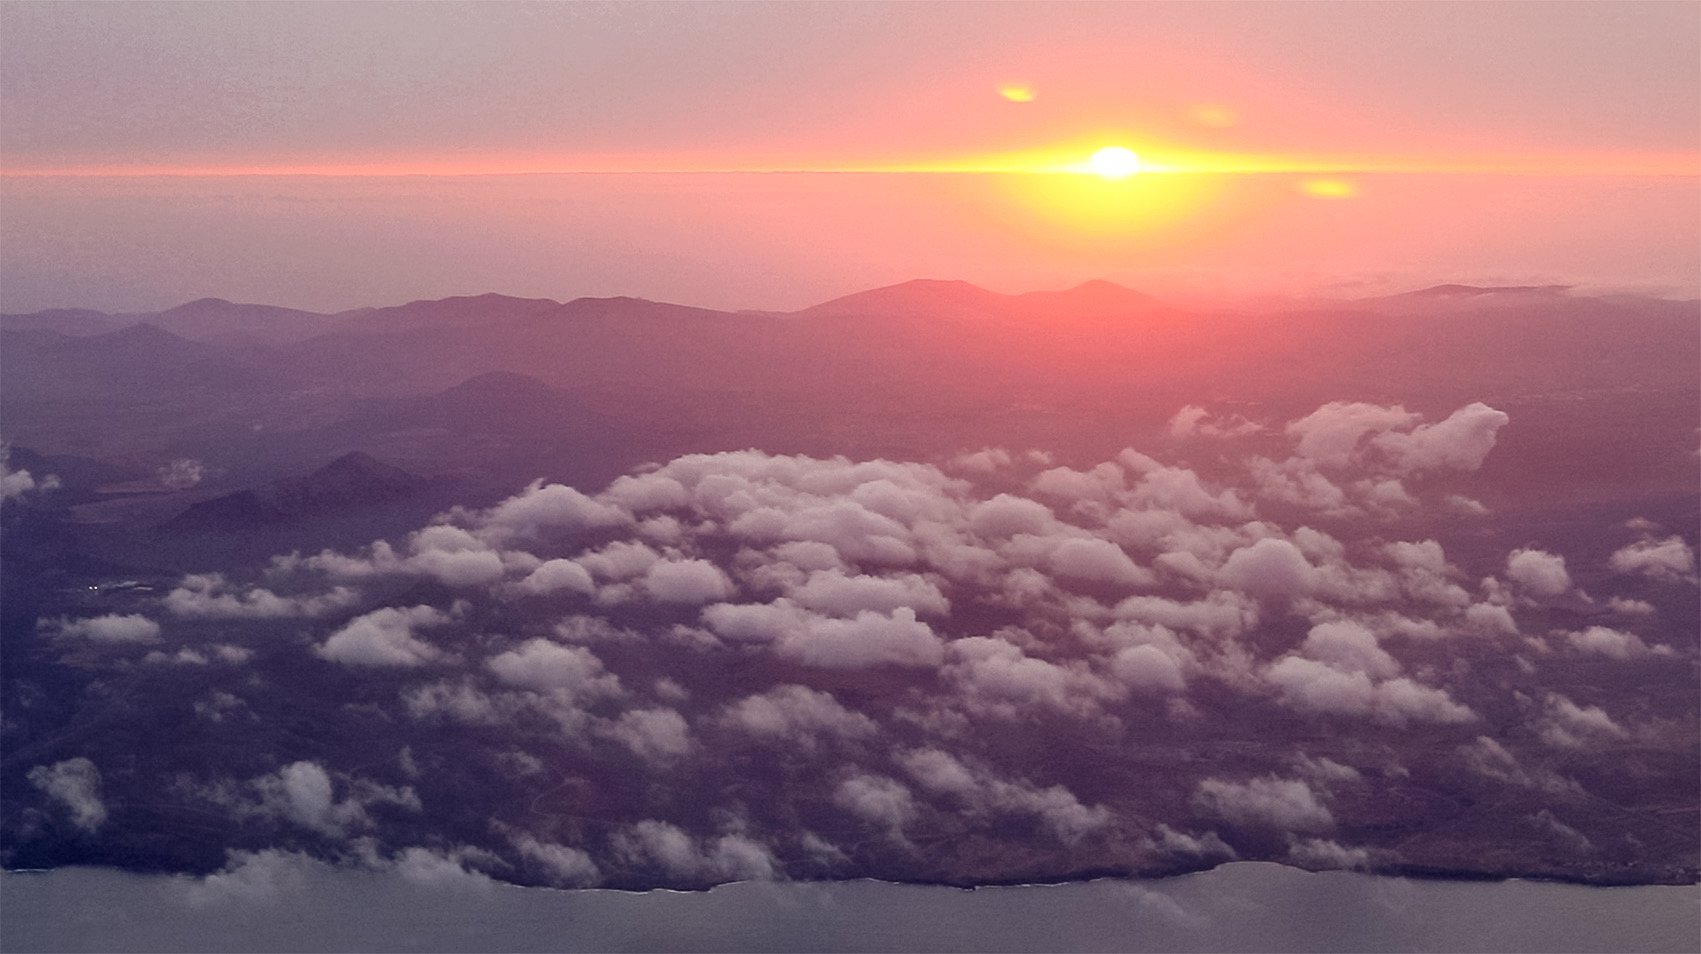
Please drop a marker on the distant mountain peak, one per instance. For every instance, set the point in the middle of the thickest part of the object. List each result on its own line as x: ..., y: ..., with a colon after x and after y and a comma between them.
x: 1456, y: 291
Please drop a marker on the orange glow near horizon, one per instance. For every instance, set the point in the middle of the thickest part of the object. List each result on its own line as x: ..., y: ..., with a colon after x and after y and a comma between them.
x: 1329, y: 189
x: 1076, y: 157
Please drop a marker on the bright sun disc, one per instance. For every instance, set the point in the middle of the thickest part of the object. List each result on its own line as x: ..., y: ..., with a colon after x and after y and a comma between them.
x: 1115, y: 162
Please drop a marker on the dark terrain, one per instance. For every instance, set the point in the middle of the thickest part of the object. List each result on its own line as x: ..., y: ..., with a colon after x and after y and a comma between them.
x: 213, y: 437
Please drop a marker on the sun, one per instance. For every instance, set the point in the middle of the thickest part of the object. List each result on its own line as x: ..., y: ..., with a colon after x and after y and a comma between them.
x: 1114, y: 162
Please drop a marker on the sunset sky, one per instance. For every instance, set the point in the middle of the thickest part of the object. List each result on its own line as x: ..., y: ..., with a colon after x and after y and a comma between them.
x: 329, y: 156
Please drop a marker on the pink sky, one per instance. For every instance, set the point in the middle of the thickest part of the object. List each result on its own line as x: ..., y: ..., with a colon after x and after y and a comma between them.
x: 1574, y: 105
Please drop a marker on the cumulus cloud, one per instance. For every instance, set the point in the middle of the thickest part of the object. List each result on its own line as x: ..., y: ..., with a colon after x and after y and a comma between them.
x: 14, y: 484
x: 1568, y: 725
x: 304, y: 793
x: 1612, y: 643
x: 1195, y: 421
x: 210, y: 596
x: 1670, y: 559
x: 1538, y: 571
x: 384, y: 637
x: 74, y: 783
x: 796, y: 714
x: 1287, y: 804
x: 687, y: 581
x: 978, y: 790
x: 729, y: 857
x: 881, y: 641
x: 567, y: 867
x: 181, y: 474
x: 1346, y: 434
x: 655, y: 735
x: 112, y: 628
x: 258, y: 877
x: 878, y: 800
x: 544, y: 666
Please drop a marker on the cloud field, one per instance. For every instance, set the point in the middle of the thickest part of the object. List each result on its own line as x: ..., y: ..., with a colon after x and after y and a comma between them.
x: 746, y: 666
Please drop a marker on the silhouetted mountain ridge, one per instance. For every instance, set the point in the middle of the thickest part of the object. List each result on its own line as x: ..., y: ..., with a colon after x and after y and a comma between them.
x: 352, y: 481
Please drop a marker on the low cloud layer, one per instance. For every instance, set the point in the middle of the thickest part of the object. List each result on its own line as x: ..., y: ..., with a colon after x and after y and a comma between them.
x: 743, y: 665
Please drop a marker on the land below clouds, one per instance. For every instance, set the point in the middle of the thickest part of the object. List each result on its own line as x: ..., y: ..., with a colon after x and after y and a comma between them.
x: 1443, y: 536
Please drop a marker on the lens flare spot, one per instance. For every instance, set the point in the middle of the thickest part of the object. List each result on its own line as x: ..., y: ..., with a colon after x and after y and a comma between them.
x: 1017, y: 93
x: 1114, y: 162
x: 1329, y: 189
x: 1213, y: 116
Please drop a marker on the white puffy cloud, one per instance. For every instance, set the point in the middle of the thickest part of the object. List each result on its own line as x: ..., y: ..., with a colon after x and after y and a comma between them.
x: 1097, y: 561
x: 1269, y: 567
x: 384, y: 637
x: 1538, y: 571
x: 867, y: 639
x: 304, y: 793
x: 74, y: 783
x: 1612, y: 643
x: 567, y: 867
x: 1348, y: 434
x: 543, y: 507
x: 544, y: 666
x: 14, y: 484
x: 687, y: 581
x: 1287, y: 804
x: 112, y: 628
x: 211, y: 596
x: 1669, y: 559
x: 797, y: 714
x: 1323, y: 853
x: 940, y: 773
x: 832, y: 591
x: 878, y: 800
x: 729, y: 857
x: 1349, y: 647
x: 441, y: 870
x: 996, y: 676
x: 559, y: 576
x: 1568, y: 725
x: 654, y: 735
x: 1312, y: 686
x: 1460, y: 442
x: 1208, y: 846
x: 1195, y: 421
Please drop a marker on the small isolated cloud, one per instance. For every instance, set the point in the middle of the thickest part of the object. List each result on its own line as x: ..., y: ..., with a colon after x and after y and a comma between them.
x: 878, y: 800
x: 729, y: 857
x: 1670, y: 560
x: 210, y: 596
x: 1568, y: 725
x: 566, y: 867
x: 1612, y: 643
x: 654, y: 735
x: 1321, y: 853
x: 1390, y: 439
x: 544, y: 666
x: 1286, y: 804
x: 384, y: 637
x: 1195, y: 421
x: 1538, y: 571
x: 1209, y: 846
x: 796, y: 714
x: 112, y: 628
x: 181, y: 474
x: 74, y: 783
x: 440, y: 870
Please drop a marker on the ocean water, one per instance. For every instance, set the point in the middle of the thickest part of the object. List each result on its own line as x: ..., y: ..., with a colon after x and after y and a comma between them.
x: 1237, y: 907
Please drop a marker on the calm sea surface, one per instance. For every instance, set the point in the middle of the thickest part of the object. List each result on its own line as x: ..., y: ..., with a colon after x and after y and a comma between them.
x: 1238, y: 907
